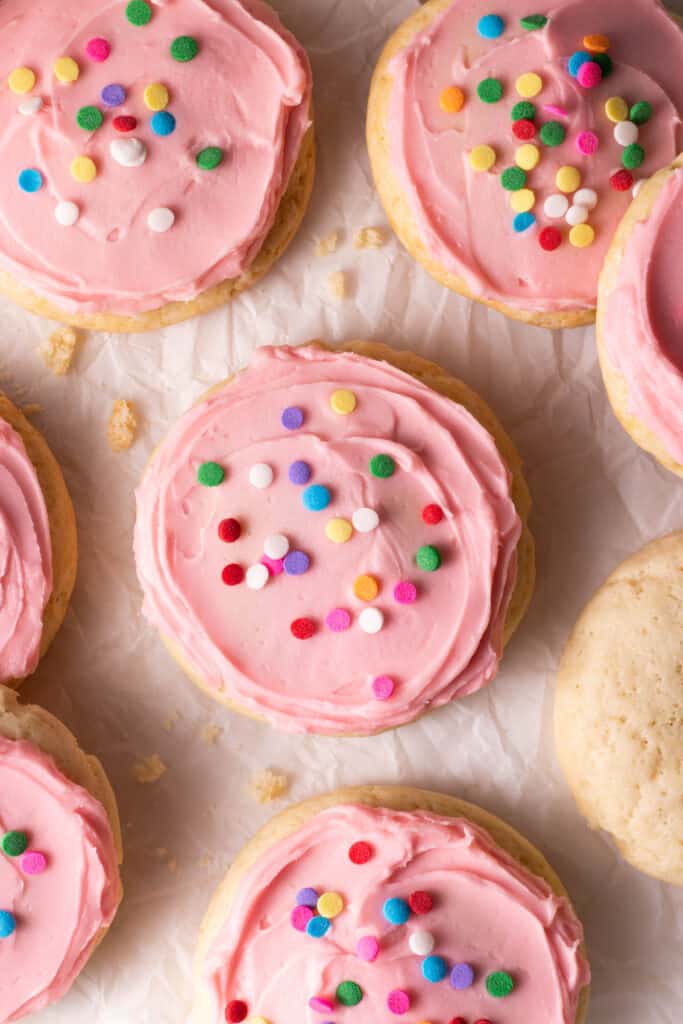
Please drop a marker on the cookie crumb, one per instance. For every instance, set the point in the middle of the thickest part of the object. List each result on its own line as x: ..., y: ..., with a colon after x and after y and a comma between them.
x: 169, y: 723
x: 172, y: 865
x: 150, y: 769
x: 369, y: 238
x: 122, y: 426
x: 326, y: 246
x: 32, y: 409
x: 266, y: 786
x: 206, y: 860
x: 211, y: 734
x: 58, y: 351
x: 336, y: 285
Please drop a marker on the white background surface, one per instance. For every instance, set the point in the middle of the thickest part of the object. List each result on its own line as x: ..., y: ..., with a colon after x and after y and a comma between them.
x: 596, y: 499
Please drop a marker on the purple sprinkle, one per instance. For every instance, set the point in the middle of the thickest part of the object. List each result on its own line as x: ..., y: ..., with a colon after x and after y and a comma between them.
x: 299, y: 472
x: 462, y: 976
x: 292, y: 418
x: 296, y: 563
x: 307, y: 898
x: 113, y: 95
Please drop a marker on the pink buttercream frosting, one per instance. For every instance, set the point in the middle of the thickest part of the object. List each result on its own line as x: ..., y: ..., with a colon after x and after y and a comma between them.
x: 643, y: 324
x: 25, y: 558
x: 247, y: 91
x: 444, y: 644
x: 60, y: 910
x: 488, y: 912
x: 464, y: 216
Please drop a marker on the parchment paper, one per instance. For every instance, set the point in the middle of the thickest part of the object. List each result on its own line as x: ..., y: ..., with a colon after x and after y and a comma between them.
x: 597, y: 498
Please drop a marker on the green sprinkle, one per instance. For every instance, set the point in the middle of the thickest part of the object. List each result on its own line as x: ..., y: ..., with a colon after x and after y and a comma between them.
x: 208, y: 159
x: 533, y: 22
x: 428, y: 558
x: 633, y: 156
x: 499, y: 984
x: 139, y: 12
x: 89, y: 118
x: 641, y: 112
x: 210, y: 474
x: 512, y: 179
x: 553, y: 133
x: 523, y: 111
x: 490, y: 90
x: 14, y: 843
x: 605, y: 62
x: 382, y: 466
x: 349, y: 993
x: 184, y: 48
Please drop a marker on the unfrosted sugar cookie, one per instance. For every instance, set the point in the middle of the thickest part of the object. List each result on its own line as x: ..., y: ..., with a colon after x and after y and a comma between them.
x: 60, y: 849
x: 38, y: 548
x: 157, y: 157
x: 640, y: 318
x: 386, y: 902
x: 336, y: 541
x: 505, y: 140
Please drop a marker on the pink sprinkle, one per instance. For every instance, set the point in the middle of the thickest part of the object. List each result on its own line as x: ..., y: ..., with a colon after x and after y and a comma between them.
x: 367, y: 948
x: 98, y: 50
x: 274, y: 565
x: 338, y: 620
x: 383, y: 687
x: 587, y: 143
x: 398, y: 1001
x: 589, y: 75
x: 300, y: 917
x: 552, y: 108
x: 405, y: 592
x: 321, y: 1005
x: 33, y: 862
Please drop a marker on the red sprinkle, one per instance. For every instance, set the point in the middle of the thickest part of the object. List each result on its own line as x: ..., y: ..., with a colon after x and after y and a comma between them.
x: 432, y: 514
x: 229, y: 530
x: 303, y: 629
x: 482, y: 1020
x: 524, y: 130
x: 360, y: 853
x: 236, y: 1011
x: 420, y: 902
x: 232, y: 574
x: 549, y: 239
x: 622, y: 180
x: 458, y: 1020
x: 125, y: 123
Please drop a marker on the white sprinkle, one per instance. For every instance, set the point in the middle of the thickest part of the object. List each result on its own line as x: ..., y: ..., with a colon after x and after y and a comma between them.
x: 626, y: 133
x: 365, y: 520
x: 586, y: 197
x: 260, y: 475
x: 257, y: 576
x: 637, y: 187
x: 556, y: 206
x: 371, y: 620
x: 421, y: 943
x: 577, y: 215
x: 161, y: 219
x: 67, y: 213
x: 31, y: 105
x: 128, y: 152
x: 276, y: 546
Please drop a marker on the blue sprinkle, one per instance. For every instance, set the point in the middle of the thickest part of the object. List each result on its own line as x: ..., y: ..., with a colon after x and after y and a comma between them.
x: 316, y: 498
x: 490, y: 26
x: 296, y: 563
x: 317, y: 927
x: 292, y: 418
x: 523, y: 221
x: 163, y: 123
x: 307, y: 898
x: 396, y: 911
x: 7, y: 924
x: 30, y: 180
x: 576, y: 60
x: 299, y: 472
x: 434, y: 968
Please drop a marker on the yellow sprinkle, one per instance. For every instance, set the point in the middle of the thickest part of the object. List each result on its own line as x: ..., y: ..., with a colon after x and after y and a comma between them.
x: 330, y: 904
x: 523, y: 200
x: 339, y: 530
x: 529, y: 85
x: 581, y: 236
x: 343, y: 401
x: 257, y: 1020
x: 21, y: 80
x: 66, y: 70
x: 83, y: 169
x: 156, y: 96
x: 452, y: 99
x: 366, y: 588
x: 568, y: 179
x: 596, y: 43
x: 616, y: 109
x: 527, y: 156
x: 482, y: 158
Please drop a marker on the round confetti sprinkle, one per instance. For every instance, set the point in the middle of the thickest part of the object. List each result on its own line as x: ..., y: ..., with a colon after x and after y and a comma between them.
x: 30, y: 180
x: 66, y: 70
x: 420, y: 902
x: 523, y: 112
x: 97, y: 49
x: 229, y: 530
x: 398, y: 1001
x: 462, y: 976
x: 626, y: 133
x: 349, y: 993
x: 550, y: 239
x: 300, y: 916
x: 156, y: 96
x: 316, y: 497
x: 577, y: 214
x: 582, y: 236
x: 261, y: 475
x: 303, y: 629
x: 587, y: 143
x: 208, y: 159
x: 210, y: 474
x: 523, y: 130
x: 365, y: 520
x: 428, y: 558
x: 367, y: 948
x: 553, y: 133
x: 31, y: 106
x: 21, y: 80
x: 257, y: 576
x: 491, y: 26
x: 67, y: 213
x: 232, y: 574
x: 633, y: 156
x: 596, y: 43
x: 338, y: 530
x: 490, y: 90
x: 383, y: 687
x: 616, y: 109
x: 523, y: 221
x: 276, y: 545
x: 161, y: 220
x: 371, y: 620
x: 320, y: 1004
x: 421, y: 942
x: 641, y: 112
x: 318, y: 927
x: 568, y: 179
x: 307, y: 897
x: 529, y: 85
x: 113, y: 95
x: 297, y: 563
x: 330, y: 904
x: 14, y: 843
x: 605, y: 62
x: 405, y: 592
x: 366, y: 588
x: 527, y: 156
x: 434, y: 969
x: 184, y: 49
x: 586, y: 197
x: 338, y: 620
x: 382, y: 466
x: 360, y: 852
x: 513, y: 178
x: 7, y: 924
x: 590, y: 75
x: 452, y: 100
x: 299, y: 472
x: 236, y: 1011
x: 139, y: 12
x: 576, y: 61
x: 292, y: 418
x: 125, y: 123
x: 163, y: 123
x: 275, y: 566
x: 432, y: 514
x: 499, y: 984
x: 482, y: 158
x: 621, y: 181
x: 523, y: 200
x: 533, y: 22
x: 343, y: 401
x: 396, y: 911
x: 128, y: 152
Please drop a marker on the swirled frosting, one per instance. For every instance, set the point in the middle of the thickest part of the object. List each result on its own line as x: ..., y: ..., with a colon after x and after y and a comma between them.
x: 60, y: 903
x: 464, y: 216
x: 483, y: 911
x: 643, y: 324
x: 247, y: 92
x: 437, y: 637
x: 25, y: 558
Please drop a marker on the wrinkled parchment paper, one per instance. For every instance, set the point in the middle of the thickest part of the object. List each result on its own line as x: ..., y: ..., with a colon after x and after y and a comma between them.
x: 597, y: 498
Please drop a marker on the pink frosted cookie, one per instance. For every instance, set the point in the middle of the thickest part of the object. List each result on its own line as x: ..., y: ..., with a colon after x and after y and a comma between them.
x: 330, y: 544
x: 505, y: 141
x: 383, y: 903
x: 147, y: 150
x: 60, y: 850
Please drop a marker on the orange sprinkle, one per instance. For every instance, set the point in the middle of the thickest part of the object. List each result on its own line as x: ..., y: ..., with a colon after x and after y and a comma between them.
x: 452, y: 99
x: 596, y: 43
x: 366, y: 588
